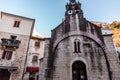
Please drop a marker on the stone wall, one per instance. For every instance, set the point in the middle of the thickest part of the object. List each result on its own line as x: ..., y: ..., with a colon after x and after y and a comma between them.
x: 44, y: 62
x: 112, y: 57
x: 65, y: 57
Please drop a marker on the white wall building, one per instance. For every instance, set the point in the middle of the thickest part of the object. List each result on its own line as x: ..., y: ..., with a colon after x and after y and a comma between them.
x: 15, y: 33
x: 36, y: 50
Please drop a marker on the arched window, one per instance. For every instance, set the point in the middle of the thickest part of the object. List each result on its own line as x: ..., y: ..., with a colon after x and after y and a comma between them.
x: 77, y: 46
x: 79, y: 71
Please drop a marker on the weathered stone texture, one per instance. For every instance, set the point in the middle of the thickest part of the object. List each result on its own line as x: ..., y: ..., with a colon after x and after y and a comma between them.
x: 112, y: 57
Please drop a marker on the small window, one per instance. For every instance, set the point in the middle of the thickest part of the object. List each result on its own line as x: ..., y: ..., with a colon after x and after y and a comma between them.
x: 85, y: 39
x: 13, y: 37
x: 77, y: 46
x: 37, y: 43
x: 16, y: 24
x: 87, y: 47
x: 7, y: 55
x: 35, y: 59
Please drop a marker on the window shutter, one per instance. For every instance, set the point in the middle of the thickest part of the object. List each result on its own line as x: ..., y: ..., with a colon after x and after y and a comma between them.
x: 3, y: 56
x: 15, y: 23
x: 10, y: 55
x: 18, y: 23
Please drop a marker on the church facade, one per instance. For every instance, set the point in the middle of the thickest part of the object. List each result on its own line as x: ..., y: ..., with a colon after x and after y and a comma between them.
x: 77, y: 50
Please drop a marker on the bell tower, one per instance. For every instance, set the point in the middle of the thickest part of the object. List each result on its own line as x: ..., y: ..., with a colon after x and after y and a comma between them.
x: 74, y: 16
x: 73, y: 8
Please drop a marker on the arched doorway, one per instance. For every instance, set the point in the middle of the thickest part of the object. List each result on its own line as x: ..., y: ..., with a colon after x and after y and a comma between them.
x: 4, y: 75
x: 79, y: 71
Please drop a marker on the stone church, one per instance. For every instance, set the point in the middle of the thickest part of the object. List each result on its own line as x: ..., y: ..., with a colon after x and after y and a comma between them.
x: 77, y: 50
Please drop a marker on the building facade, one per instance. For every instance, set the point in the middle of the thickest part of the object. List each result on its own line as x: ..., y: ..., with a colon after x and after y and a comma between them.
x: 77, y: 50
x: 35, y: 53
x: 15, y: 33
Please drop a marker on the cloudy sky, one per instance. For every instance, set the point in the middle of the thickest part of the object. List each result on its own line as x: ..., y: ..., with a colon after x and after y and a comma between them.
x: 49, y: 13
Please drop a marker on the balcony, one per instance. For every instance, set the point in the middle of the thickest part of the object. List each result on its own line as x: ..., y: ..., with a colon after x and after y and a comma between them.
x: 10, y: 43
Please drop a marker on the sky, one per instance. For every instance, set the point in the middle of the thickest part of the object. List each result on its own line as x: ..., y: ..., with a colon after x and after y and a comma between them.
x: 48, y: 14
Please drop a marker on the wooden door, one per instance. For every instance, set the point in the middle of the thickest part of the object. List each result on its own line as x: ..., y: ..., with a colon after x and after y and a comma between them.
x: 79, y: 71
x: 4, y: 75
